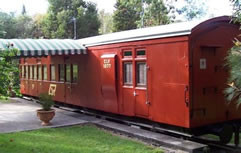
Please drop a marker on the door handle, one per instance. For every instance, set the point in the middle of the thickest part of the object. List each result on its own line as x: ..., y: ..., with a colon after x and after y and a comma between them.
x: 135, y: 94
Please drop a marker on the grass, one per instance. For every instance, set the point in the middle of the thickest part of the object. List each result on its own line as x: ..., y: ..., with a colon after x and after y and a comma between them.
x: 75, y: 139
x: 6, y: 100
x: 2, y: 100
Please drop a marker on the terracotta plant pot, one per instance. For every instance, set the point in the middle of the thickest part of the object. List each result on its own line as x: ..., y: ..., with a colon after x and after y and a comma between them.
x: 45, y: 116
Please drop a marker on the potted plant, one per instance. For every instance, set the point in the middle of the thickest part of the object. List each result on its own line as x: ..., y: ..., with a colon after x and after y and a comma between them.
x: 46, y: 113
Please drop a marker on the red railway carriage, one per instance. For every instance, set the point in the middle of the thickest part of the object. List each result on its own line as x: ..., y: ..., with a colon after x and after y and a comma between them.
x: 171, y: 74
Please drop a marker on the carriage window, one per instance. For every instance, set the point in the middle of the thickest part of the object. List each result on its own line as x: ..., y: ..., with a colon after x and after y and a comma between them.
x: 61, y: 72
x: 75, y: 73
x: 26, y: 72
x: 52, y: 68
x: 68, y: 73
x: 45, y: 76
x: 141, y: 74
x: 31, y: 72
x: 140, y: 53
x: 22, y: 74
x: 128, y: 73
x: 40, y: 72
x: 35, y: 72
x: 127, y: 53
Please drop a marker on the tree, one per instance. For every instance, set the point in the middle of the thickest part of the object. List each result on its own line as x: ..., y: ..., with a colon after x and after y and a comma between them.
x: 37, y: 28
x: 2, y: 32
x: 24, y: 10
x: 237, y: 10
x: 155, y: 14
x: 9, y: 72
x: 7, y: 25
x: 89, y: 21
x: 15, y: 27
x: 193, y: 9
x: 130, y: 14
x: 106, y: 22
x: 233, y: 92
x: 23, y: 27
x: 58, y: 23
x: 126, y: 15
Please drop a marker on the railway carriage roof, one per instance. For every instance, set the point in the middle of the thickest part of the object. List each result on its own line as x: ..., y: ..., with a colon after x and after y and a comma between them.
x: 163, y: 31
x: 43, y: 47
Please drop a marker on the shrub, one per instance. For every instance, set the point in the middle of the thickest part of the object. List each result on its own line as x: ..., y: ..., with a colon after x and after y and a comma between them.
x: 233, y: 92
x: 9, y: 73
x: 46, y: 101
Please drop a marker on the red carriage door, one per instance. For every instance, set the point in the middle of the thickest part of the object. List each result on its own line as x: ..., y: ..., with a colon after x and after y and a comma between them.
x: 128, y: 99
x: 140, y: 92
x: 108, y: 82
x: 140, y: 77
x: 135, y: 99
x: 71, y: 84
x: 68, y: 85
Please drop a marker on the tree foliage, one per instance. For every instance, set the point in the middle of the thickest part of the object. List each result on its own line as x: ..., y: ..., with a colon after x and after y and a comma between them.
x: 129, y: 13
x: 193, y: 9
x: 12, y: 26
x: 24, y: 10
x: 237, y: 10
x: 58, y: 22
x: 2, y: 32
x: 106, y: 21
x: 156, y: 13
x: 37, y: 27
x: 233, y: 92
x: 23, y: 27
x: 9, y: 72
x: 7, y: 25
x: 126, y: 15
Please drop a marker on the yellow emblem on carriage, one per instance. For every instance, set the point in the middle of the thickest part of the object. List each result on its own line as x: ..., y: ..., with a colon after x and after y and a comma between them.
x: 52, y: 89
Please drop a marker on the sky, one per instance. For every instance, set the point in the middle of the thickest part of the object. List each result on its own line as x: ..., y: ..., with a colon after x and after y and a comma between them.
x: 216, y: 7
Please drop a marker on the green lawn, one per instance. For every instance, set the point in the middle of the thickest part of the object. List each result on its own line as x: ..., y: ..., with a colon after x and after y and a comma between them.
x: 4, y: 99
x: 75, y: 139
x: 7, y: 100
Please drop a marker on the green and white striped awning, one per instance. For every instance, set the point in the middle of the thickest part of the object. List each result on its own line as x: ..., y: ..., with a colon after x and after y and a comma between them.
x: 43, y: 47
